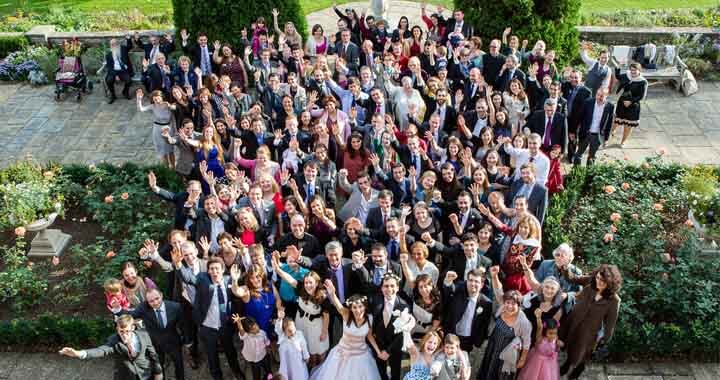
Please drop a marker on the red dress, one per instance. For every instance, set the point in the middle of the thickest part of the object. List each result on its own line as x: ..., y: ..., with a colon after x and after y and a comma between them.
x: 514, y: 274
x: 248, y: 237
x: 555, y: 178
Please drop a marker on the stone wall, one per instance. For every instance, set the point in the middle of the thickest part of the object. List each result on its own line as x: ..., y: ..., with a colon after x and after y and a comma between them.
x: 608, y: 35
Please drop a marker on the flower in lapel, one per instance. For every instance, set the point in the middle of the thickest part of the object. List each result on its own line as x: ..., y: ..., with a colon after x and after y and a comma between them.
x: 479, y: 310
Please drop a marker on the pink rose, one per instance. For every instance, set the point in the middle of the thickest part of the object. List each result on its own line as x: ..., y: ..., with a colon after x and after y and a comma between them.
x: 615, y: 217
x: 20, y: 231
x: 608, y: 237
x: 625, y: 186
x: 658, y: 206
x: 609, y: 189
x: 110, y: 255
x: 109, y: 199
x: 124, y: 196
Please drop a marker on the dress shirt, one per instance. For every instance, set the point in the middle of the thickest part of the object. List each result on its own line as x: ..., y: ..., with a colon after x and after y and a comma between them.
x: 522, y: 156
x: 479, y: 125
x: 217, y: 226
x: 340, y: 286
x: 161, y: 315
x: 597, y: 117
x: 212, y: 319
x: 464, y: 216
x: 153, y: 54
x: 387, y: 310
x: 117, y: 63
x: 464, y: 325
x: 470, y: 264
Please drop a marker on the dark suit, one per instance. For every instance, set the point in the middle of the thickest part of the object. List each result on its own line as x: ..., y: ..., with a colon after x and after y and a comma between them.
x: 322, y: 188
x: 584, y: 136
x: 164, y: 337
x: 375, y: 224
x: 558, y: 129
x: 537, y: 201
x: 474, y: 222
x: 179, y: 200
x: 166, y: 48
x: 344, y: 290
x: 309, y: 244
x: 202, y: 227
x: 351, y: 54
x: 143, y: 366
x: 470, y: 99
x: 157, y: 79
x: 371, y: 109
x: 456, y: 301
x: 400, y: 190
x: 574, y: 111
x: 250, y: 143
x: 386, y: 337
x: 454, y: 259
x: 366, y: 277
x: 205, y: 293
x: 195, y: 54
x: 179, y: 78
x: 467, y: 29
x: 264, y: 214
x: 503, y: 81
x: 124, y: 74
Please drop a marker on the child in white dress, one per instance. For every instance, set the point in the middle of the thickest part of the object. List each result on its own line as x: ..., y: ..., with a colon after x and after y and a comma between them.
x: 293, y: 349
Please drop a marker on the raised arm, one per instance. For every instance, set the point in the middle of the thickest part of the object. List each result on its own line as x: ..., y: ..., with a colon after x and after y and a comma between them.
x: 285, y: 276
x: 330, y: 288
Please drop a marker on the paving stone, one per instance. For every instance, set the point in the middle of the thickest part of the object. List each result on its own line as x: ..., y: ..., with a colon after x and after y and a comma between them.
x: 634, y: 377
x: 705, y: 371
x: 627, y: 369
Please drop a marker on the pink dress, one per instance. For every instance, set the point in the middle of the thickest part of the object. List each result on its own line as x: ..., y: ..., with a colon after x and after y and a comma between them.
x: 542, y: 362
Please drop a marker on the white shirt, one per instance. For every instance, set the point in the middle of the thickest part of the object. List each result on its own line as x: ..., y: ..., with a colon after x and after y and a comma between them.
x: 387, y: 310
x: 153, y: 54
x: 522, y: 156
x: 116, y: 61
x: 217, y: 226
x: 597, y: 118
x: 212, y: 319
x: 470, y: 264
x: 464, y: 325
x: 479, y: 125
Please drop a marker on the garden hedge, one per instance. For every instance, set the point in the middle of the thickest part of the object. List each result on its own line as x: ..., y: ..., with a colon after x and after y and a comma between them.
x: 9, y: 44
x: 224, y: 19
x: 49, y: 332
x: 552, y: 21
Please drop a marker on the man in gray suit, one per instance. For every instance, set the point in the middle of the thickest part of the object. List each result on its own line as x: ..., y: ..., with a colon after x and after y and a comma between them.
x: 348, y: 52
x: 362, y: 196
x: 135, y: 356
x: 536, y: 194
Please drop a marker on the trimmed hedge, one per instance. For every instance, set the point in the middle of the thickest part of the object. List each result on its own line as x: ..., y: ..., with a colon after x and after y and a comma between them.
x: 552, y: 21
x: 51, y: 331
x: 9, y: 44
x: 224, y: 19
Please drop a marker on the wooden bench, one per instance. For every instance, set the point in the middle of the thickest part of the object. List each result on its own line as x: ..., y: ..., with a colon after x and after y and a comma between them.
x: 622, y: 57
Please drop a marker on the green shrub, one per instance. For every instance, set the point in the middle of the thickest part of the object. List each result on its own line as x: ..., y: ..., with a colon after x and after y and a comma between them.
x: 23, y: 287
x: 52, y: 331
x: 217, y: 18
x: 9, y: 44
x: 93, y: 58
x: 707, y: 17
x: 700, y: 68
x: 552, y: 21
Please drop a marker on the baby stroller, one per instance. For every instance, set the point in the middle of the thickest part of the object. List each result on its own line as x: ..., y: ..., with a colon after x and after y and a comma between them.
x: 70, y: 75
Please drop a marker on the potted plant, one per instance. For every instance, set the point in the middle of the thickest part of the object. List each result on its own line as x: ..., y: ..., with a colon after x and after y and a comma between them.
x: 30, y: 200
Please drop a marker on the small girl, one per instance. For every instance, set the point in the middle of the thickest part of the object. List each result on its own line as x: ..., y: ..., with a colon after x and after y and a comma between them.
x: 453, y: 363
x: 114, y: 297
x: 542, y: 362
x: 162, y: 115
x: 555, y: 177
x: 292, y: 348
x: 255, y: 343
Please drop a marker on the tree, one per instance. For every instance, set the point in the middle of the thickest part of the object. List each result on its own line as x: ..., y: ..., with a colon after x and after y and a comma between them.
x: 552, y: 21
x: 223, y: 20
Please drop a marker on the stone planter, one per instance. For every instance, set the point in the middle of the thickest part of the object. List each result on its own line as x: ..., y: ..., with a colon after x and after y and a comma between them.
x: 48, y: 242
x: 709, y: 241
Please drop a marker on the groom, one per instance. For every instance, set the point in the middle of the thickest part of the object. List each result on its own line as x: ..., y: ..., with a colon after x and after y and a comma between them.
x: 389, y: 342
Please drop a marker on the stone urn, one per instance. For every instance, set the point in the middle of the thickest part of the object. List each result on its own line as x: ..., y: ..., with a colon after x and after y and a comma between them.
x: 709, y: 241
x: 48, y: 242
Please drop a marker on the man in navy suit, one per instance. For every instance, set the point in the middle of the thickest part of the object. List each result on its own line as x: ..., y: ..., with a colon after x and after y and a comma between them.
x: 576, y: 93
x: 119, y: 67
x: 458, y: 25
x: 468, y: 310
x: 155, y: 46
x: 212, y: 311
x: 535, y: 193
x: 378, y: 216
x: 201, y: 54
x: 509, y: 72
x: 595, y: 128
x: 194, y: 188
x: 550, y: 125
x: 162, y: 320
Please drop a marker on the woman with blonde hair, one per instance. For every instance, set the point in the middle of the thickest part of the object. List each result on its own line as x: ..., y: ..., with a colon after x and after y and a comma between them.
x: 517, y: 104
x: 292, y: 37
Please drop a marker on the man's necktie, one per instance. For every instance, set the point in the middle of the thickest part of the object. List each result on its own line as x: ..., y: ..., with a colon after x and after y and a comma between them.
x: 222, y: 307
x: 548, y: 127
x: 160, y: 321
x: 378, y: 275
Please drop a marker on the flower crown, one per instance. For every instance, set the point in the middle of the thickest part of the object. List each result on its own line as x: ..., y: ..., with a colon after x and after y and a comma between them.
x: 391, y: 275
x: 359, y: 300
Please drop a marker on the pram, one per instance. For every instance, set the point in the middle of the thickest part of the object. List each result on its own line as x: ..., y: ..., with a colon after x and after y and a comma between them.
x: 71, y: 75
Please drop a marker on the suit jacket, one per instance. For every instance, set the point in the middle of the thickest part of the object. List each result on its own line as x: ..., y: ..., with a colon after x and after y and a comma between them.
x: 178, y: 199
x: 451, y: 114
x: 454, y: 259
x: 575, y: 109
x: 350, y: 281
x: 558, y: 129
x: 195, y: 54
x: 456, y: 300
x: 469, y: 100
x: 365, y: 276
x: 179, y: 78
x: 503, y: 81
x: 309, y: 245
x: 203, y: 226
x: 143, y: 366
x: 474, y: 222
x: 322, y: 188
x: 370, y: 107
x: 165, y: 338
x: 385, y: 336
x: 164, y: 47
x: 268, y: 219
x: 537, y: 201
x: 250, y: 143
x: 587, y: 119
x: 400, y: 190
x: 351, y: 54
x: 354, y: 202
x: 204, y: 291
x: 125, y: 65
x: 375, y: 223
x: 155, y: 79
x: 467, y: 29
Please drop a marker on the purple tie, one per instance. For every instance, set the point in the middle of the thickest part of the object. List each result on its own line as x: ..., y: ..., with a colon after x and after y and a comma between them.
x: 548, y: 127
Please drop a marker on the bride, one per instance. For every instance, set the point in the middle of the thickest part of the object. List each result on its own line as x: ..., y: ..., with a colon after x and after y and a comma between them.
x: 351, y: 355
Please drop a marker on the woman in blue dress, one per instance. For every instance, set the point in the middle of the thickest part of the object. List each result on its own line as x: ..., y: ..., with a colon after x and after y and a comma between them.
x: 210, y: 156
x: 259, y: 297
x: 422, y: 355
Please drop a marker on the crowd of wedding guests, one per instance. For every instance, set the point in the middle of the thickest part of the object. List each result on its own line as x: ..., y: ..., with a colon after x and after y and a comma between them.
x: 335, y: 182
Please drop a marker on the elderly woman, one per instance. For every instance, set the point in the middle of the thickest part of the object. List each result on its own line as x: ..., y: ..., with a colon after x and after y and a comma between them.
x: 510, y: 323
x: 416, y: 265
x: 406, y: 100
x: 596, y: 308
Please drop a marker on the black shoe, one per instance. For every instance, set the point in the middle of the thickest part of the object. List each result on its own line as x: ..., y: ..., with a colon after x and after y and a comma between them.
x: 575, y: 374
x: 565, y: 368
x: 111, y: 100
x: 126, y: 93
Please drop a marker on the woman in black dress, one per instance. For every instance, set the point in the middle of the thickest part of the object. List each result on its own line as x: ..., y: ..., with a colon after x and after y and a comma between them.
x: 634, y: 88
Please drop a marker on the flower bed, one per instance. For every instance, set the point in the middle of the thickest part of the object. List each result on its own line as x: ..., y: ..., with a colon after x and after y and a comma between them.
x: 635, y: 216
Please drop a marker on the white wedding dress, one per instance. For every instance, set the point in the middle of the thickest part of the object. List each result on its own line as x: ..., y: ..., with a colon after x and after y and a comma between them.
x: 351, y: 358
